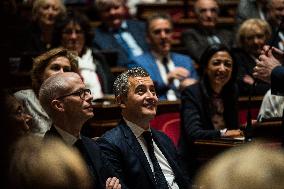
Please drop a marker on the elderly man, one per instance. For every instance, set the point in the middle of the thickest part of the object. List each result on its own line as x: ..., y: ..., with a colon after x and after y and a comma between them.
x: 171, y: 72
x: 143, y: 156
x: 69, y: 104
x: 116, y: 33
x: 206, y: 33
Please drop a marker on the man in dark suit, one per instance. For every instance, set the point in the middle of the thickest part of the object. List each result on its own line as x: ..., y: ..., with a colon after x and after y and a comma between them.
x: 206, y: 33
x: 142, y: 156
x: 116, y: 33
x: 171, y: 72
x: 68, y: 103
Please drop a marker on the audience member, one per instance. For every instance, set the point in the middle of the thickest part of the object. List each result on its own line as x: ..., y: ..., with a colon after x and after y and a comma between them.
x: 275, y: 14
x: 68, y: 102
x: 73, y: 32
x: 143, y: 156
x: 206, y: 33
x: 272, y: 106
x: 251, y: 9
x: 49, y: 63
x: 252, y: 35
x: 51, y: 164
x: 14, y: 125
x: 44, y: 13
x: 208, y: 108
x: 252, y: 166
x: 116, y: 33
x: 171, y: 72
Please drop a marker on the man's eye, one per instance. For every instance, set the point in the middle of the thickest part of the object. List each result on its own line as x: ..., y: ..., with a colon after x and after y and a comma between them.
x: 55, y: 67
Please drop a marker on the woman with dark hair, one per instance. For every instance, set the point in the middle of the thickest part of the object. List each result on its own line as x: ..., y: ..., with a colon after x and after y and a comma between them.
x: 73, y: 32
x: 209, y: 107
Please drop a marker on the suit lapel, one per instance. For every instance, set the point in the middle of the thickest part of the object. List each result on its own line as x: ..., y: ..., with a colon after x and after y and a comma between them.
x: 135, y: 146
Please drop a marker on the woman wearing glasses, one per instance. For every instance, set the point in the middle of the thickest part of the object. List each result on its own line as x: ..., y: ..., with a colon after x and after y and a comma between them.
x: 56, y: 60
x: 73, y: 32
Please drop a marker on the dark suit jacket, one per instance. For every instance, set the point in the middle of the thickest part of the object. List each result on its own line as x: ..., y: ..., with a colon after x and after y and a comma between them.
x: 195, y: 40
x: 245, y: 67
x: 105, y: 40
x: 277, y: 80
x: 127, y: 157
x: 102, y: 168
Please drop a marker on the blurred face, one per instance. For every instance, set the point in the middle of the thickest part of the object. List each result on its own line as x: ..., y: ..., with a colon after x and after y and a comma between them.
x: 275, y: 11
x: 207, y: 13
x: 77, y: 106
x: 49, y: 11
x: 254, y: 41
x: 73, y: 38
x: 219, y: 70
x: 57, y: 65
x: 113, y: 14
x: 17, y: 119
x: 141, y: 101
x: 160, y: 36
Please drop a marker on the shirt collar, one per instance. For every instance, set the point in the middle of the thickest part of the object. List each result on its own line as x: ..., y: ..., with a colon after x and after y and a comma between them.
x: 137, y: 131
x: 67, y: 137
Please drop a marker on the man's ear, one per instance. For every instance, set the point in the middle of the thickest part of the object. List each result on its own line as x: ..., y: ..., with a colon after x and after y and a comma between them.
x: 120, y: 101
x: 57, y: 105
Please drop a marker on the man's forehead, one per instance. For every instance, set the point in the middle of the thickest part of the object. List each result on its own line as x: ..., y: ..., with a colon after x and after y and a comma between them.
x: 140, y: 81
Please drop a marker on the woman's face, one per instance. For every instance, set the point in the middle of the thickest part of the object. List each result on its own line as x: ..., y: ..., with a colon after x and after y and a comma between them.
x: 48, y: 11
x: 219, y: 70
x: 73, y: 37
x: 254, y: 41
x: 58, y: 65
x: 18, y: 120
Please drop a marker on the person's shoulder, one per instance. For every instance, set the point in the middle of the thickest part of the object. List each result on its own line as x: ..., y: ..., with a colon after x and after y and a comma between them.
x: 25, y: 94
x: 135, y: 22
x: 114, y: 134
x: 192, y: 90
x: 190, y: 31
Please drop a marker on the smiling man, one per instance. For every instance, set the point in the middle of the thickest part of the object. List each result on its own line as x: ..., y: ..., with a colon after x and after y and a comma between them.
x: 142, y: 156
x: 69, y: 104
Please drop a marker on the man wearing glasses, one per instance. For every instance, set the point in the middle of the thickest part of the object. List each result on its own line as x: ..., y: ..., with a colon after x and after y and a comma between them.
x: 69, y: 105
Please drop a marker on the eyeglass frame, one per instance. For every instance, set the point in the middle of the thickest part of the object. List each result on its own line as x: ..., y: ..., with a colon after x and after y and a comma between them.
x: 81, y: 93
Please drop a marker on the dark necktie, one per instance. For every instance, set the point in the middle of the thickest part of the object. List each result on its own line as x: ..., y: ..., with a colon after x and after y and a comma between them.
x: 165, y: 61
x: 160, y: 179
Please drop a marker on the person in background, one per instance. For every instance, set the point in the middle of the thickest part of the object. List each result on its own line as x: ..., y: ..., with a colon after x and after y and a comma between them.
x: 196, y: 40
x: 209, y: 107
x: 44, y: 13
x: 49, y: 63
x: 68, y: 102
x: 14, y: 125
x: 251, y: 166
x: 142, y: 156
x: 49, y: 164
x: 117, y: 33
x: 73, y: 32
x: 252, y: 35
x: 171, y: 72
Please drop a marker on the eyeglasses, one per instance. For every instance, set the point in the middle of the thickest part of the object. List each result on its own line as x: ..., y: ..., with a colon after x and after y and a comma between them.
x: 82, y: 93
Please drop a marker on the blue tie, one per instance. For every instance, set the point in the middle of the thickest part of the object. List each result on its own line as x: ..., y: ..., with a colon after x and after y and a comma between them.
x: 122, y: 43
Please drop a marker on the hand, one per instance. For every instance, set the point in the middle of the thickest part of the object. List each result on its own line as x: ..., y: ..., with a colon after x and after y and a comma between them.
x: 234, y: 133
x: 266, y: 63
x: 248, y: 79
x: 179, y: 73
x: 113, y: 183
x: 186, y: 82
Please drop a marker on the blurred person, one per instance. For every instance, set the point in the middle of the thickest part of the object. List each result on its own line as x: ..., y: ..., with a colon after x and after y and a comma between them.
x: 117, y: 33
x: 250, y: 166
x: 171, y: 72
x: 251, y: 36
x: 68, y: 102
x: 49, y: 164
x: 196, y: 40
x: 275, y: 14
x: 143, y: 156
x: 73, y: 32
x: 51, y: 62
x: 209, y: 107
x: 44, y: 13
x: 14, y: 125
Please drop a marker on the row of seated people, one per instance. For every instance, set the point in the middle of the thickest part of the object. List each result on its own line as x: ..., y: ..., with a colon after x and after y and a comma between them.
x: 68, y: 103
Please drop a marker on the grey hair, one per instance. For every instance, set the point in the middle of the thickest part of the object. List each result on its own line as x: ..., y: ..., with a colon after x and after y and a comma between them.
x: 121, y: 84
x: 53, y: 87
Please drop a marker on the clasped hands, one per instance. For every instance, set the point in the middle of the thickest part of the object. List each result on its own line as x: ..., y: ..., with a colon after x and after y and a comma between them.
x: 182, y: 75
